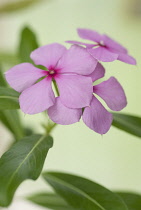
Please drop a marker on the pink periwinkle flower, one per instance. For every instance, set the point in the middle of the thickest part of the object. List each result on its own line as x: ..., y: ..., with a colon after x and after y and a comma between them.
x: 95, y: 116
x: 104, y: 48
x: 69, y: 68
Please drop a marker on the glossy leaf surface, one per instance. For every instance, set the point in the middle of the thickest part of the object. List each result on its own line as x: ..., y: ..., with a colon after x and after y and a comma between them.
x: 11, y: 120
x: 81, y: 193
x: 28, y: 43
x: 50, y: 200
x: 24, y: 160
x: 8, y: 98
x: 133, y: 201
x: 129, y: 123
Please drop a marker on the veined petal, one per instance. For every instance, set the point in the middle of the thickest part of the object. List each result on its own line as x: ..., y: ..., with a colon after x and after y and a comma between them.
x: 96, y: 117
x: 23, y: 76
x: 127, y: 59
x: 63, y: 115
x: 112, y: 44
x: 89, y: 35
x: 80, y: 43
x: 98, y: 73
x: 75, y: 90
x: 112, y: 93
x: 37, y: 98
x: 103, y: 54
x: 48, y: 55
x: 77, y: 60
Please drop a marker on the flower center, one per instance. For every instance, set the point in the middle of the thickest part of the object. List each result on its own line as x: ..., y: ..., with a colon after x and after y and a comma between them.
x: 51, y: 72
x: 101, y: 43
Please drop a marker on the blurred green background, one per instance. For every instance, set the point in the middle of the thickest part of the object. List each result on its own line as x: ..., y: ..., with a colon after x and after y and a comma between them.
x: 114, y: 159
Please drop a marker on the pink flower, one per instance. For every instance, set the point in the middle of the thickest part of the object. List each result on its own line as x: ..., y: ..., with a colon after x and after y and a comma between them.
x: 104, y: 49
x: 67, y: 67
x: 95, y: 116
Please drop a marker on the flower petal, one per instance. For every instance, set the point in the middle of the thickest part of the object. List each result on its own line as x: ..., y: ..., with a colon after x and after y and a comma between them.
x: 63, y: 115
x: 89, y: 35
x: 96, y: 117
x: 103, y: 54
x: 23, y: 76
x: 112, y: 93
x: 37, y: 98
x: 80, y: 43
x: 48, y: 55
x: 98, y: 73
x: 127, y: 59
x: 75, y: 90
x: 112, y: 44
x: 77, y: 60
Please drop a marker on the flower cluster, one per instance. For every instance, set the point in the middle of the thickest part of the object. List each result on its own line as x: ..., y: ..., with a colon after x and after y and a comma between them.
x: 73, y: 71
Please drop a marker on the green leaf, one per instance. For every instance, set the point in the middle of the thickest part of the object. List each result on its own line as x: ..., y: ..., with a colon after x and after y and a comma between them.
x: 50, y: 200
x: 28, y: 131
x: 3, y: 82
x: 133, y: 201
x: 11, y: 120
x: 8, y: 58
x: 130, y: 124
x: 16, y: 5
x: 8, y: 98
x: 82, y: 194
x: 28, y: 43
x: 23, y: 161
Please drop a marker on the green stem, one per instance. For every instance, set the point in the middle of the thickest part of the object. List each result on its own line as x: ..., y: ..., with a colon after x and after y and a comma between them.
x: 49, y: 130
x: 50, y: 125
x: 56, y: 88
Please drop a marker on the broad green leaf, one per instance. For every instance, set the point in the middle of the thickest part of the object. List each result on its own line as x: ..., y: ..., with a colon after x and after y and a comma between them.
x: 82, y: 194
x: 3, y: 82
x: 8, y: 98
x: 24, y: 160
x: 11, y: 120
x: 28, y: 43
x: 130, y: 124
x: 133, y: 201
x: 51, y: 201
x: 8, y: 58
x: 28, y: 131
x: 16, y: 5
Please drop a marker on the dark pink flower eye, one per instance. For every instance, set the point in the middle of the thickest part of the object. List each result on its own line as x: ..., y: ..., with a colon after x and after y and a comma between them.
x: 67, y: 67
x: 72, y: 72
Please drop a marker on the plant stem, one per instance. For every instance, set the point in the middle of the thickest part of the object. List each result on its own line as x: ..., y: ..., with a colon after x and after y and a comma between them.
x: 56, y: 88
